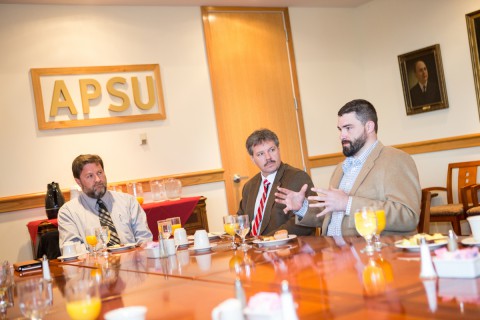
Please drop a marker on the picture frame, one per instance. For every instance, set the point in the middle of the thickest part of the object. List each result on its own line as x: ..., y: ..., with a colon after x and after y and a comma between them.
x: 418, y: 68
x: 473, y: 29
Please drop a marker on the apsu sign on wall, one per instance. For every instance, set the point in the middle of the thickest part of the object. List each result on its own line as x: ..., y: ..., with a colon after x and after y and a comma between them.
x: 89, y: 96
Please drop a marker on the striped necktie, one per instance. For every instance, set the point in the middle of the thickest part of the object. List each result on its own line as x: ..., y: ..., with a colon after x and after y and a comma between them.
x: 106, y: 220
x: 259, y: 216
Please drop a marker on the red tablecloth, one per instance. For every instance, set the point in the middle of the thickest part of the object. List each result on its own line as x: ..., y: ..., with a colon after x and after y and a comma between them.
x: 155, y: 211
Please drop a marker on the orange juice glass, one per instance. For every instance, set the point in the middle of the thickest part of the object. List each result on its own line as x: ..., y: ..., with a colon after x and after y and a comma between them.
x: 176, y: 223
x: 381, y: 223
x: 380, y: 220
x: 83, y: 299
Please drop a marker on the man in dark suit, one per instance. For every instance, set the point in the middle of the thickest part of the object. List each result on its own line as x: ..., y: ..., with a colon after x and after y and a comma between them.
x: 267, y: 216
x: 425, y: 91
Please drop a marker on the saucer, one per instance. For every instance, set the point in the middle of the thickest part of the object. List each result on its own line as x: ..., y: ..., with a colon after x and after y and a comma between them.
x: 182, y: 246
x: 470, y: 241
x: 199, y: 250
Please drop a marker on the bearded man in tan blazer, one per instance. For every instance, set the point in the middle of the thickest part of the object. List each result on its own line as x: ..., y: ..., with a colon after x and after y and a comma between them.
x: 371, y: 175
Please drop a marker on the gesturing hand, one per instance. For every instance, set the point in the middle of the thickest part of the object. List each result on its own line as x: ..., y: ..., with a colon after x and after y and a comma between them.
x: 291, y: 199
x: 332, y: 199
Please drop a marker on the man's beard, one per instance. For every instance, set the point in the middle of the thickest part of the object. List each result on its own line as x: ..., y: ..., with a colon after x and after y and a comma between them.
x: 96, y: 193
x: 353, y: 147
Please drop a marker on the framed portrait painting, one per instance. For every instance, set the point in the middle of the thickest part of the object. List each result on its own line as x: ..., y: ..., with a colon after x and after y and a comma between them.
x: 473, y: 28
x: 422, y: 80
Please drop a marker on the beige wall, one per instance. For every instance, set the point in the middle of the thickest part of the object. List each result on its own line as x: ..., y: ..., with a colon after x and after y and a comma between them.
x: 341, y: 54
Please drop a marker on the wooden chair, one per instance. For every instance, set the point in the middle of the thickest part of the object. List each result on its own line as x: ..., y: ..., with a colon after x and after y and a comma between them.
x: 454, y: 212
x: 475, y: 209
x: 424, y: 222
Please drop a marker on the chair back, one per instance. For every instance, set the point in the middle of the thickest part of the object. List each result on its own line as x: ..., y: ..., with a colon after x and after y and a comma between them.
x: 424, y: 221
x: 466, y: 173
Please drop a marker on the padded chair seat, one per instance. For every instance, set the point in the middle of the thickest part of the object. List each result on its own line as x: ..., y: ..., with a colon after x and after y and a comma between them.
x: 447, y: 210
x: 473, y: 211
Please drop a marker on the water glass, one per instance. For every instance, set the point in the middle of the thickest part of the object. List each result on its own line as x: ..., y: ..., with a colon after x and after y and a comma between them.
x: 83, y: 299
x: 34, y: 297
x: 157, y: 188
x: 136, y: 190
x: 6, y: 288
x: 173, y: 188
x: 164, y: 228
x: 242, y: 227
x: 103, y: 234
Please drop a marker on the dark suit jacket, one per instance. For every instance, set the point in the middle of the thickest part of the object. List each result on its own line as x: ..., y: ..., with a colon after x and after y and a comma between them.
x: 273, y: 217
x: 420, y: 98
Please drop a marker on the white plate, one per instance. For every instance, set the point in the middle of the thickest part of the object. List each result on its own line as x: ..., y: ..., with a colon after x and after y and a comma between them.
x: 278, y: 242
x: 126, y: 246
x: 431, y: 246
x: 217, y: 233
x: 202, y: 249
x: 68, y: 258
x: 470, y: 242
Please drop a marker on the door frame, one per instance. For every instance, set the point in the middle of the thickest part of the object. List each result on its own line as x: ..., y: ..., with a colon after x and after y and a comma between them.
x: 232, y: 204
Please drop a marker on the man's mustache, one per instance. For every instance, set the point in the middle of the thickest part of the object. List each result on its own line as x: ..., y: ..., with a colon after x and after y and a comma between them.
x: 268, y: 162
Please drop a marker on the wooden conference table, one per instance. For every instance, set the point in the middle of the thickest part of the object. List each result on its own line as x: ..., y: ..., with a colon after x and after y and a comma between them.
x: 326, y: 279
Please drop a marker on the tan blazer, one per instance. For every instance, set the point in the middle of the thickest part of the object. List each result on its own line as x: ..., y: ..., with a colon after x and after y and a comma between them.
x: 388, y: 179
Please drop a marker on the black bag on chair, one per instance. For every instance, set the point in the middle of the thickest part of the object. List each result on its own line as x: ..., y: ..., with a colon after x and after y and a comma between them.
x: 48, y: 244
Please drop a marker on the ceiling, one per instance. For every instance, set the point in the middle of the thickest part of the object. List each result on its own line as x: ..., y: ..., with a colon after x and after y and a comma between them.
x: 223, y: 3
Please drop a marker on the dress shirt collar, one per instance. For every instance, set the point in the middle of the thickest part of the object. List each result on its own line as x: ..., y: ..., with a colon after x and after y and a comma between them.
x: 270, y: 177
x: 91, y: 203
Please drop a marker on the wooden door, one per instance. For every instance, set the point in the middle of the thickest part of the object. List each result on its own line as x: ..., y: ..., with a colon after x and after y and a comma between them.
x: 254, y: 86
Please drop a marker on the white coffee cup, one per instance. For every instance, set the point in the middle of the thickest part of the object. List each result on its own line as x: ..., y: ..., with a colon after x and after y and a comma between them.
x: 127, y: 313
x: 69, y: 249
x: 170, y: 246
x: 474, y: 222
x: 180, y: 237
x: 230, y: 309
x: 201, y: 239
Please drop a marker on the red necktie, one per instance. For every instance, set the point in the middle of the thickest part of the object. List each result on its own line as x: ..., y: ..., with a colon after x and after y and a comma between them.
x: 259, y: 216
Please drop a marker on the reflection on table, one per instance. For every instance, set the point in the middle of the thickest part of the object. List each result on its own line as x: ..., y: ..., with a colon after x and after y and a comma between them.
x: 329, y: 279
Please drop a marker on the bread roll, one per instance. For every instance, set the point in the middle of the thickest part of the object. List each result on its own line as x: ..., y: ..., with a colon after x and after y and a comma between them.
x: 281, y: 234
x: 267, y: 238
